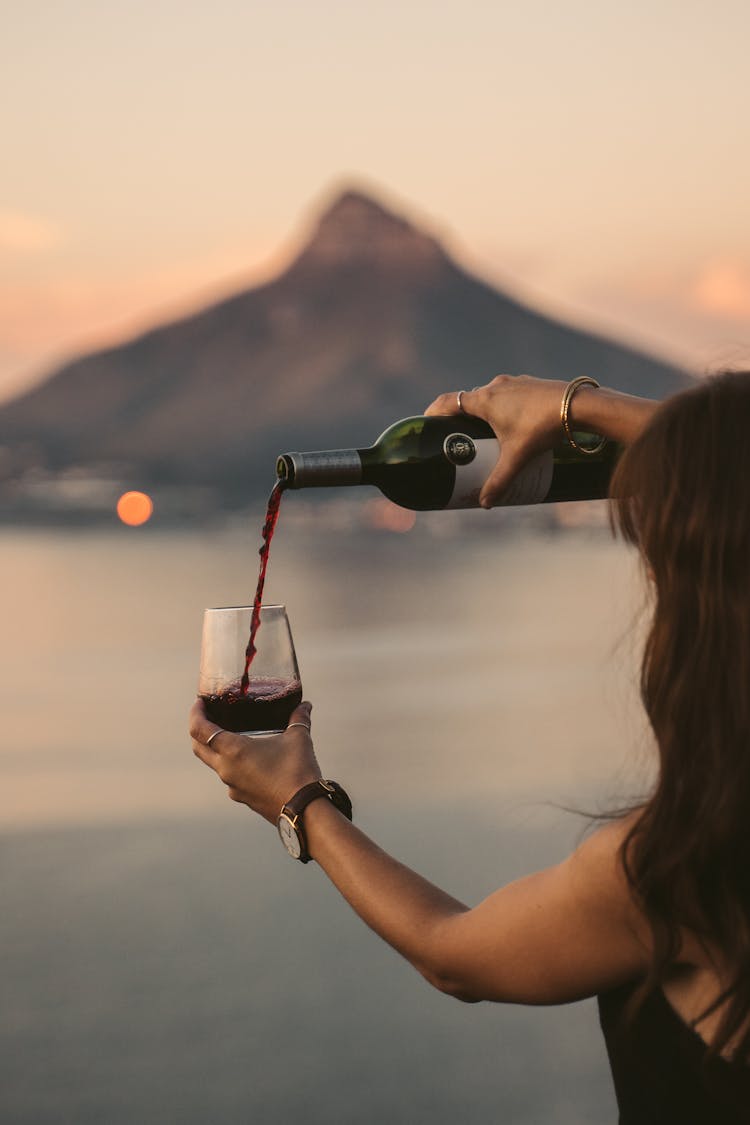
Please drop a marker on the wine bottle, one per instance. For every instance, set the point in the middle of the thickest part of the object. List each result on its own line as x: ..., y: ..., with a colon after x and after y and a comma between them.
x: 443, y: 461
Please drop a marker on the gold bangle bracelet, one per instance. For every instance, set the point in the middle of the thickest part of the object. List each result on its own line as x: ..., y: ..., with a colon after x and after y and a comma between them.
x: 570, y: 390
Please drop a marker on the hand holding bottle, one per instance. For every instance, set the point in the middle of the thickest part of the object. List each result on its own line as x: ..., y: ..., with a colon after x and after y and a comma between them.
x: 524, y: 413
x: 451, y: 457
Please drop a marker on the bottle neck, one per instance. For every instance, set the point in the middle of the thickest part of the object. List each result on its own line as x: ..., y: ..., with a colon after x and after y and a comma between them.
x: 331, y: 468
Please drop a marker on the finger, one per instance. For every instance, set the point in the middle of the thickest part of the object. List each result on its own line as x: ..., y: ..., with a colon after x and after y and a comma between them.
x: 201, y: 727
x: 448, y: 403
x: 508, y: 465
x: 445, y: 404
x: 208, y: 756
x: 301, y: 714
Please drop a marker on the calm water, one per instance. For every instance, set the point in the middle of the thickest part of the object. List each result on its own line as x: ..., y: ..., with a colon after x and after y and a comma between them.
x: 163, y: 960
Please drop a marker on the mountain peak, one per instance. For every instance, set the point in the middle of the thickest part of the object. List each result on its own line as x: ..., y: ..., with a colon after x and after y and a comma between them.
x: 357, y: 229
x: 353, y: 208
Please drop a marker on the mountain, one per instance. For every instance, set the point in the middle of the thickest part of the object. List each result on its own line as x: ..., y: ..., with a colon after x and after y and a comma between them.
x: 368, y: 324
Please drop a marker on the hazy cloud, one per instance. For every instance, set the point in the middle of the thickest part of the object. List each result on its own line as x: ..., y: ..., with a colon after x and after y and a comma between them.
x: 723, y: 289
x: 27, y: 234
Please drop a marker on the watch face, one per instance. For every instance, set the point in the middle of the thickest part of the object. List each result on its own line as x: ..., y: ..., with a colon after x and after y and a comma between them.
x: 289, y: 836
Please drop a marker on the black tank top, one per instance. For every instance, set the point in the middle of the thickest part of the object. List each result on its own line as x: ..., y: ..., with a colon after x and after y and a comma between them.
x: 656, y: 1067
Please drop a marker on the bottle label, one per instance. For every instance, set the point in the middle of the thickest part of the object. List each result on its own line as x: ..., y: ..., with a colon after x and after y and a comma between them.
x: 530, y: 486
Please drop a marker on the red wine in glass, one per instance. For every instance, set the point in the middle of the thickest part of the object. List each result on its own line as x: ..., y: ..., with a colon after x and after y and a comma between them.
x: 266, y: 706
x: 275, y: 688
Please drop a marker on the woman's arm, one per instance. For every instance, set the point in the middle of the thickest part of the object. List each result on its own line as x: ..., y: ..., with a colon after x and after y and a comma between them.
x: 558, y: 935
x: 618, y: 416
x: 524, y: 412
x: 564, y: 933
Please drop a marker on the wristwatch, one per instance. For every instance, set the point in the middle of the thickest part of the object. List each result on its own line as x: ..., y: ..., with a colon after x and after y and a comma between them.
x: 289, y: 823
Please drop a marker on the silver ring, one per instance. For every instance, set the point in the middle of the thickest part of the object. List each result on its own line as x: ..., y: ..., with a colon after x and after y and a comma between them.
x: 458, y: 401
x: 299, y: 725
x: 211, y: 737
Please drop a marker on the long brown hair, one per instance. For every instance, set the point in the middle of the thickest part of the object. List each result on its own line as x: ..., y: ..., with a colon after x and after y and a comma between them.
x: 682, y: 496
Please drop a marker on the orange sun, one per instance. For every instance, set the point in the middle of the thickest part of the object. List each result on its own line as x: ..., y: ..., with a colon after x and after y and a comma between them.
x: 134, y: 508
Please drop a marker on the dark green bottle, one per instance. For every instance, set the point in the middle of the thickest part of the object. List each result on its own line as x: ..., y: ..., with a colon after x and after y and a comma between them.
x: 443, y: 461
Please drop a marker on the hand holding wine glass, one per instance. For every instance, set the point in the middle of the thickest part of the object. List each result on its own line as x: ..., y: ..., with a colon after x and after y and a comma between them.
x: 260, y: 772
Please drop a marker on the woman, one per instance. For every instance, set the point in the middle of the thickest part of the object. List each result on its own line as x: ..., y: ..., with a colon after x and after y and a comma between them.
x: 652, y: 912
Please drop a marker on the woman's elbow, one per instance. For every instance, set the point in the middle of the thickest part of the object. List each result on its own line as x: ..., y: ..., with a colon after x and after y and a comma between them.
x: 450, y: 985
x: 443, y: 967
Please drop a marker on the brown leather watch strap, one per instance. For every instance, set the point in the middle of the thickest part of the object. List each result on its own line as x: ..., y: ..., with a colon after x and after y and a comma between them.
x: 296, y: 805
x: 338, y: 797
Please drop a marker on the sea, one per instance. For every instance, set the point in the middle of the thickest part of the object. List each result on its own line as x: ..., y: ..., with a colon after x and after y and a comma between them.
x: 162, y: 960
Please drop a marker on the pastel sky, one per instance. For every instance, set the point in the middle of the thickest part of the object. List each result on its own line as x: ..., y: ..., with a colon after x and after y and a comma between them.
x: 591, y: 156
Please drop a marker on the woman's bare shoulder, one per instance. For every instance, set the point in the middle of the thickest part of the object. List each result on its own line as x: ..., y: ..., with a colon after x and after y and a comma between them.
x: 597, y: 872
x: 599, y: 864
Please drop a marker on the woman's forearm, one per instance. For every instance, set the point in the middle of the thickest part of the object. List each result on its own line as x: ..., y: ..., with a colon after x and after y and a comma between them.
x: 618, y: 416
x: 398, y: 904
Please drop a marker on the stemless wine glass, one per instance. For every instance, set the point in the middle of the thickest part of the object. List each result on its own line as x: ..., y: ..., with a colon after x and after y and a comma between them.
x: 274, y: 689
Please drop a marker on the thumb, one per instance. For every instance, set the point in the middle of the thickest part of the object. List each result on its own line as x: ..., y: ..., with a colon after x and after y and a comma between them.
x: 508, y: 465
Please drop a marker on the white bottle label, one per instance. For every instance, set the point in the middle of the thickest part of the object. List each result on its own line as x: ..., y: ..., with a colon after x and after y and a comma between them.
x: 530, y: 486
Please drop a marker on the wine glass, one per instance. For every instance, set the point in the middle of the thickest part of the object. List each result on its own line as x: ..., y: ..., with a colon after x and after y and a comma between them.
x: 274, y: 688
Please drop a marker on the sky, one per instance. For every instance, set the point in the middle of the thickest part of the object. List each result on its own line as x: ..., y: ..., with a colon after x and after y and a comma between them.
x: 588, y: 156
